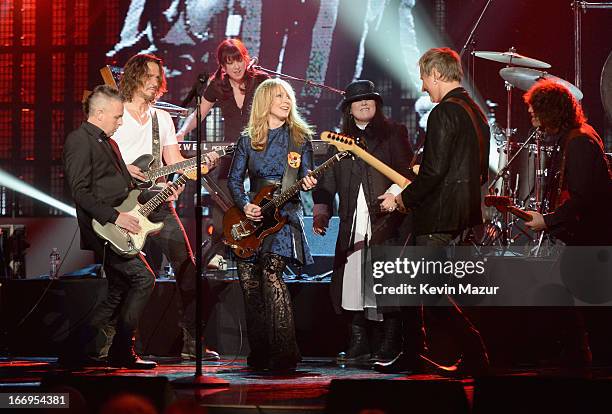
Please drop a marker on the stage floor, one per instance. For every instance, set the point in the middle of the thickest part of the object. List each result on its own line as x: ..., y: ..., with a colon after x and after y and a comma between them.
x: 305, y: 390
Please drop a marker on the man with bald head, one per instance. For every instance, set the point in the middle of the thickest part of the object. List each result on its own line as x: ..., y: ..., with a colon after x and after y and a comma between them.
x: 99, y: 180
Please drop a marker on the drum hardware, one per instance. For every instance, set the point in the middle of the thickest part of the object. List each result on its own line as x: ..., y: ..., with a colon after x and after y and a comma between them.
x: 532, y: 170
x: 511, y: 58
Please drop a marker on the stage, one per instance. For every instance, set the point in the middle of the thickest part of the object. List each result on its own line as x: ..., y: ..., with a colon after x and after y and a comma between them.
x: 310, y: 389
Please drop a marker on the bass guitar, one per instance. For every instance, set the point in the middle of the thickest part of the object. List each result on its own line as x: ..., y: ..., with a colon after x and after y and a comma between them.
x: 129, y: 244
x: 144, y: 162
x: 346, y: 143
x: 245, y: 236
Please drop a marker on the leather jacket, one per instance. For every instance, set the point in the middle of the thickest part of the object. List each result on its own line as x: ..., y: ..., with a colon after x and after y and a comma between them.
x: 446, y: 195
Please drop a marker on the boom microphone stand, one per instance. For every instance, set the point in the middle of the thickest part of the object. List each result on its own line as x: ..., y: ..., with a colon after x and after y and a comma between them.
x: 197, y: 380
x: 306, y: 81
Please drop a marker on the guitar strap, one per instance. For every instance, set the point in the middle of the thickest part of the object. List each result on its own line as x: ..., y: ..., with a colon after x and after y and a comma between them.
x: 474, y: 116
x: 291, y: 166
x: 155, y: 143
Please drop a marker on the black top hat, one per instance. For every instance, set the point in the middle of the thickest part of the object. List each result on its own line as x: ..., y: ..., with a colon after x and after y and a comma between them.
x: 360, y: 90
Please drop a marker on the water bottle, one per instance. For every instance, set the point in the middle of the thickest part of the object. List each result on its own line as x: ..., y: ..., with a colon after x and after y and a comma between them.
x: 54, y: 264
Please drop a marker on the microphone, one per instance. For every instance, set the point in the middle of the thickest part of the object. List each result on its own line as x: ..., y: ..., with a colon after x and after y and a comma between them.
x: 196, y: 89
x: 254, y: 61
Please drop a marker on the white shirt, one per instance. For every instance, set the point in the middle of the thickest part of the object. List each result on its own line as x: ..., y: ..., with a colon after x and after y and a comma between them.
x: 135, y: 139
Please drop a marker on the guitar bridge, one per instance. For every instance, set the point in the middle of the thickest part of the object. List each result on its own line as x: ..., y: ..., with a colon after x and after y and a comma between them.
x: 240, y: 230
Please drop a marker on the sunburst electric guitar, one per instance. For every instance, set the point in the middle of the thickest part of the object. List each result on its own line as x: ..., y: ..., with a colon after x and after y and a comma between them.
x: 245, y: 236
x: 129, y: 244
x: 346, y: 143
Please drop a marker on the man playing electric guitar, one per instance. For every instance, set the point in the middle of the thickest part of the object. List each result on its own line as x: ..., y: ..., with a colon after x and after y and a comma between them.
x: 147, y: 130
x: 581, y: 194
x: 99, y: 181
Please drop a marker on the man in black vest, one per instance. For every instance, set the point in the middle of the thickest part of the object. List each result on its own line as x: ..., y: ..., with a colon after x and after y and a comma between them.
x: 99, y: 181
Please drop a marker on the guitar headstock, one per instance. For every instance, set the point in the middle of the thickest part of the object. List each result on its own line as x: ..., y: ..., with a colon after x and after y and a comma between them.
x: 497, y: 201
x: 192, y: 173
x: 229, y: 149
x: 341, y: 142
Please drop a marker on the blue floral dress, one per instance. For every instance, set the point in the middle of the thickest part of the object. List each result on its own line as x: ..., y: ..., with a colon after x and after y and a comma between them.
x: 269, y: 165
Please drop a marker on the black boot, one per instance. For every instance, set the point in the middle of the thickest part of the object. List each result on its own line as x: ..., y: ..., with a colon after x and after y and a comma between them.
x: 391, y: 341
x: 359, y: 348
x: 122, y: 355
x: 189, y: 349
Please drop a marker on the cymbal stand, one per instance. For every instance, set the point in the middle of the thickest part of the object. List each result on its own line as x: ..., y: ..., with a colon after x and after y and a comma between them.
x: 506, y: 216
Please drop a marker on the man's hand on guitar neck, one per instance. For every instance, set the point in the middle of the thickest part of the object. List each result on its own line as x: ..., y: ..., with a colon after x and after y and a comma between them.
x: 537, y: 222
x: 176, y: 192
x: 212, y: 159
x: 128, y: 222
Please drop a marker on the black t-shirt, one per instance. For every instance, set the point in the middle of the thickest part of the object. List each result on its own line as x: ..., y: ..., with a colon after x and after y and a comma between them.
x: 235, y: 119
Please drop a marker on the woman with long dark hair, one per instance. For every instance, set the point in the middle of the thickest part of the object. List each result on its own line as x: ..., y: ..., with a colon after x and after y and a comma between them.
x: 364, y: 220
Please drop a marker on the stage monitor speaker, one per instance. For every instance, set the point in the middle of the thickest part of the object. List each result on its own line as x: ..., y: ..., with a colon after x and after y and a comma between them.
x: 396, y: 396
x: 514, y: 394
x: 97, y: 390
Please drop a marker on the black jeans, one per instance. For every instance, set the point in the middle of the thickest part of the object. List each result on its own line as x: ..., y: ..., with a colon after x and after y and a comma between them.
x: 468, y: 337
x: 173, y: 242
x: 130, y: 283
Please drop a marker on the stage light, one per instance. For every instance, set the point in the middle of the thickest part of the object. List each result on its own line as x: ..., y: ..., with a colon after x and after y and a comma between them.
x: 22, y: 187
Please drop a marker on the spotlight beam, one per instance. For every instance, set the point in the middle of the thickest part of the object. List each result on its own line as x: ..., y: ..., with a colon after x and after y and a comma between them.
x: 15, y: 184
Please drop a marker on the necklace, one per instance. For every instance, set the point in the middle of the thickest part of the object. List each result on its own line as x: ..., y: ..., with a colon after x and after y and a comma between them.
x: 139, y: 116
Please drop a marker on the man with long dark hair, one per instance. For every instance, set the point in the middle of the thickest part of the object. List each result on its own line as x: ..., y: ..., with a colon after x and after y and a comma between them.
x: 148, y: 130
x: 580, y: 195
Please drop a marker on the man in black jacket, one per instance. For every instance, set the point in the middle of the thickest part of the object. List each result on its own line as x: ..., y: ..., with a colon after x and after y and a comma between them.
x: 445, y: 196
x: 99, y: 181
x: 580, y: 194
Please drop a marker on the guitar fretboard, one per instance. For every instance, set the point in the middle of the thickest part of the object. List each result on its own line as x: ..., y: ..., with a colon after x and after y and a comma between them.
x: 295, y: 188
x: 162, y: 196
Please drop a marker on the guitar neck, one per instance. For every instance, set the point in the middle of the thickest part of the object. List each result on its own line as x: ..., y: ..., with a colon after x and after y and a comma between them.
x: 519, y: 213
x: 295, y: 188
x: 381, y: 167
x: 162, y: 196
x: 183, y: 165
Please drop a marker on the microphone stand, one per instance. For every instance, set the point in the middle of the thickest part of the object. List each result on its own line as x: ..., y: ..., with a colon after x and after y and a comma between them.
x: 306, y: 81
x: 471, y: 41
x: 198, y: 380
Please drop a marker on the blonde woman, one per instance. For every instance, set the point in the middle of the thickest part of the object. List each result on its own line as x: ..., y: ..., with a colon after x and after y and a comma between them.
x: 276, y: 142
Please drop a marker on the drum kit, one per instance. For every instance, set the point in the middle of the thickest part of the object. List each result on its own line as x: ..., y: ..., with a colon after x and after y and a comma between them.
x: 523, y: 167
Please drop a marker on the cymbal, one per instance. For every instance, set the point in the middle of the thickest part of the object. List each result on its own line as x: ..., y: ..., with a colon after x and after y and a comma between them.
x: 511, y: 58
x: 524, y: 78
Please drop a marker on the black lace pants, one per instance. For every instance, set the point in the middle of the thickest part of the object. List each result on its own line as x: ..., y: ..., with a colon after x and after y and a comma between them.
x: 269, y: 314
